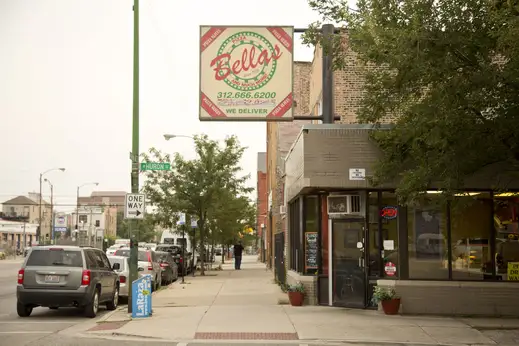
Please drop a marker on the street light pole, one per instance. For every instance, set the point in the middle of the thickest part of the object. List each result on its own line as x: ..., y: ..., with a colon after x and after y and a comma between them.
x: 38, y: 233
x: 169, y: 136
x: 77, y: 212
x: 51, y: 209
x: 135, y: 148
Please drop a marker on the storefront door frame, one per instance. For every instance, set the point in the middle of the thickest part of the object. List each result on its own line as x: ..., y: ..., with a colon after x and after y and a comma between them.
x: 364, y: 258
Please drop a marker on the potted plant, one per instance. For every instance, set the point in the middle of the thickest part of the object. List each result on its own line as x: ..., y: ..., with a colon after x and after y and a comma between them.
x: 387, y: 297
x: 296, y: 294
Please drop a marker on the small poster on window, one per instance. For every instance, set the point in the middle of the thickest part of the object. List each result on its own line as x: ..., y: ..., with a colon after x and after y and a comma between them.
x: 311, y: 250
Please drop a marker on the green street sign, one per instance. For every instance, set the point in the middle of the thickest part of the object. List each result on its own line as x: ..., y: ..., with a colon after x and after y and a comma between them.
x: 155, y: 166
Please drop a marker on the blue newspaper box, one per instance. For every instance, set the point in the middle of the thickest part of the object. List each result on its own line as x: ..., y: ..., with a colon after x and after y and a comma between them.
x: 141, y: 297
x: 150, y: 289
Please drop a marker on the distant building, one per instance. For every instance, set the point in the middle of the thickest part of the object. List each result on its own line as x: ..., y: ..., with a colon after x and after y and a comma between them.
x: 95, y: 220
x: 105, y: 198
x: 26, y: 209
x: 11, y: 234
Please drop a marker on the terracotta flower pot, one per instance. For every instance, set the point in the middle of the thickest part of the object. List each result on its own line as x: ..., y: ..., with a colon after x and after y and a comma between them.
x: 296, y: 298
x: 391, y: 307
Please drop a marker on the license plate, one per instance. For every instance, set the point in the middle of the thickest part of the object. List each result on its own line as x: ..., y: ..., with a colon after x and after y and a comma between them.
x: 51, y: 278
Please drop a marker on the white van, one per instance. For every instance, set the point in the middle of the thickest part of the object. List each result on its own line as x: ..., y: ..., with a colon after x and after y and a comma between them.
x: 174, y: 238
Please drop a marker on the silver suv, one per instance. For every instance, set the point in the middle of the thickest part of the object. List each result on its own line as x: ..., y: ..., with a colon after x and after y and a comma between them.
x: 60, y: 276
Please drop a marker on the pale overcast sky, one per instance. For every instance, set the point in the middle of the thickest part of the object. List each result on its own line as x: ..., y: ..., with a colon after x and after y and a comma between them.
x: 66, y: 86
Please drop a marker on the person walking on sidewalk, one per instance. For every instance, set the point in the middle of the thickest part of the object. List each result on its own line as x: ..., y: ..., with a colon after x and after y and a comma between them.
x: 238, y: 249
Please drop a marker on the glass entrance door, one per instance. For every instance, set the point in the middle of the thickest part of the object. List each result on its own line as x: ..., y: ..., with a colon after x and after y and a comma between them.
x: 349, y: 284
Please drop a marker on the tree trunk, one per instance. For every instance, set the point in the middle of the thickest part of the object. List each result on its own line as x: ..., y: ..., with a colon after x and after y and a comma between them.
x: 202, y: 247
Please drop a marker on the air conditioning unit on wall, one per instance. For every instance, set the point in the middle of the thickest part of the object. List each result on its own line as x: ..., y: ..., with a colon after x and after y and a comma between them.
x: 346, y: 205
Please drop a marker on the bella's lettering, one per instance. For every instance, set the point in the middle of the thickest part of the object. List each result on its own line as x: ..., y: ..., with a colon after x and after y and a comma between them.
x: 248, y: 60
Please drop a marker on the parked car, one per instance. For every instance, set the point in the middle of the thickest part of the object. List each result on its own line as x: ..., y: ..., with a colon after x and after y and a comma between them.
x: 169, y: 267
x: 185, y: 264
x: 148, y: 264
x: 112, y: 249
x: 61, y: 276
x: 123, y: 272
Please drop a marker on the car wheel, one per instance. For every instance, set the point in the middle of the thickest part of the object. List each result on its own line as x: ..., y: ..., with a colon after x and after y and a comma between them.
x: 23, y: 310
x: 92, y: 307
x: 112, y: 305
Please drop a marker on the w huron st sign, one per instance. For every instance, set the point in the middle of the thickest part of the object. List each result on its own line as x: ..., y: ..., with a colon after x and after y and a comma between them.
x: 246, y: 73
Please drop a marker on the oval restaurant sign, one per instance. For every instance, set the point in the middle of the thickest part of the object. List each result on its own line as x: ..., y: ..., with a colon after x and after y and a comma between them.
x: 389, y: 212
x: 246, y: 73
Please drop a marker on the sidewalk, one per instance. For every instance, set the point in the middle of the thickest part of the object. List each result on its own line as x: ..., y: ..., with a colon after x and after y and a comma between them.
x: 244, y: 305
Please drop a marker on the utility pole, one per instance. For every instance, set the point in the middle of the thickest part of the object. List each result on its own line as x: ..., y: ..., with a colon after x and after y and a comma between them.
x: 51, y: 213
x: 135, y: 147
x: 38, y: 232
x: 77, y: 215
x: 90, y: 229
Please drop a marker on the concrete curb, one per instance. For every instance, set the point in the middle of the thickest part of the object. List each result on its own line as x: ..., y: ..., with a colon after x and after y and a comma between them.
x: 136, y: 337
x: 105, y: 317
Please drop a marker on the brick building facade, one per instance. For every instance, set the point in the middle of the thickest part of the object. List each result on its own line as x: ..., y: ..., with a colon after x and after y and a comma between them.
x: 345, y: 236
x: 280, y: 137
x: 262, y: 202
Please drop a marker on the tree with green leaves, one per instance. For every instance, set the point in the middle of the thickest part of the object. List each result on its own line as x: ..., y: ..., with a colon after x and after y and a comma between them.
x: 195, y: 187
x: 231, y: 214
x: 449, y: 71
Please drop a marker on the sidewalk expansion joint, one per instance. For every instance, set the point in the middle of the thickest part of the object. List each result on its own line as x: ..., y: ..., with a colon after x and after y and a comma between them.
x: 246, y: 336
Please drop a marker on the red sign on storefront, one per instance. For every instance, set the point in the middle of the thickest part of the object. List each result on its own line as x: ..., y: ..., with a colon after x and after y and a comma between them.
x: 389, y: 212
x: 390, y: 269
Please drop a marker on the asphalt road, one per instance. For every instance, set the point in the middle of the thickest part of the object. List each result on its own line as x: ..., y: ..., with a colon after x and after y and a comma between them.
x: 41, y: 326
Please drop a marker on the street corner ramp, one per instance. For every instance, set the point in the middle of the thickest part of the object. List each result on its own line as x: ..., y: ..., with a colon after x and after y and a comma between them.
x: 245, y: 336
x: 107, y: 326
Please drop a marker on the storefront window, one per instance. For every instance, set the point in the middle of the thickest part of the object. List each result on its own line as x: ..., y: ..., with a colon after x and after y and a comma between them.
x: 427, y: 240
x: 295, y: 237
x: 389, y: 217
x: 470, y: 237
x: 506, y: 221
x: 311, y: 244
x: 374, y: 249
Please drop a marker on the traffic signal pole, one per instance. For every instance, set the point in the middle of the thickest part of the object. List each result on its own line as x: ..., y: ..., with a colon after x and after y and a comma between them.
x: 135, y: 150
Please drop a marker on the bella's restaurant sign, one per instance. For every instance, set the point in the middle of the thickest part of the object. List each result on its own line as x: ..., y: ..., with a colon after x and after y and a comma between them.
x: 246, y: 73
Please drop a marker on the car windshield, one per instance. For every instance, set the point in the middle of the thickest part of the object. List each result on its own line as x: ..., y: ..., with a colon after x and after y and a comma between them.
x: 118, y: 260
x: 55, y: 257
x: 142, y: 257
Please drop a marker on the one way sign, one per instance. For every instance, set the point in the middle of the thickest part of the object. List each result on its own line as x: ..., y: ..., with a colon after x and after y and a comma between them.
x: 135, y: 206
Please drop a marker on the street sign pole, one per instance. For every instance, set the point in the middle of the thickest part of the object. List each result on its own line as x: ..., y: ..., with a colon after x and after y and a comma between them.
x: 135, y: 148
